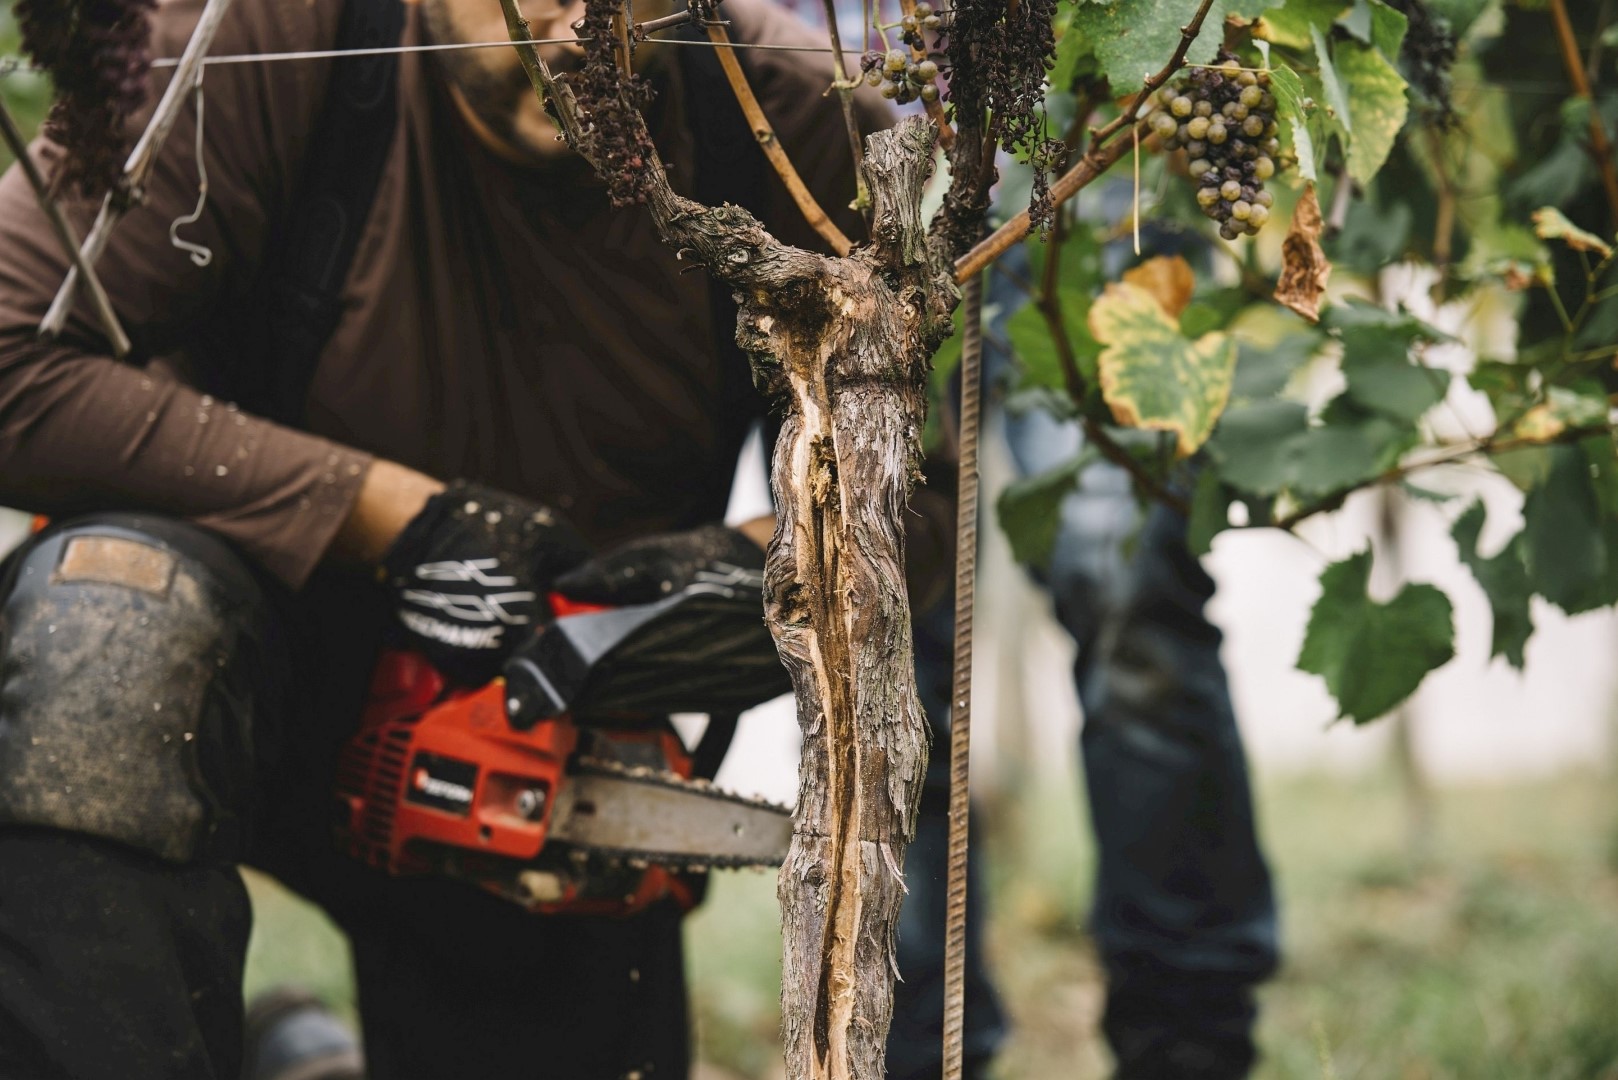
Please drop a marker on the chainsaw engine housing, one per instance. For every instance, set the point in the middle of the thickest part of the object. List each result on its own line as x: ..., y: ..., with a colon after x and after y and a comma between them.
x: 437, y: 782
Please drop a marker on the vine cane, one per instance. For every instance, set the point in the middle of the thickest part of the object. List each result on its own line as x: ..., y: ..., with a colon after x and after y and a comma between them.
x: 960, y: 723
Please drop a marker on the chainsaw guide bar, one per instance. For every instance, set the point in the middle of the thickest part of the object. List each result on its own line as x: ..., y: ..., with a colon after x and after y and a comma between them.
x: 641, y: 816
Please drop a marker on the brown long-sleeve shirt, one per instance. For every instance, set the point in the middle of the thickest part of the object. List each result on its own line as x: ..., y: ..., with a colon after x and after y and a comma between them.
x: 500, y: 323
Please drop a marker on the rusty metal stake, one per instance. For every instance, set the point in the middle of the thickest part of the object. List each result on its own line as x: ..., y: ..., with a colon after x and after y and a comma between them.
x: 960, y: 719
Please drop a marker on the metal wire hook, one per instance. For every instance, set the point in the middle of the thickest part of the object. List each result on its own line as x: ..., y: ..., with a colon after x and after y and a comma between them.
x: 200, y: 254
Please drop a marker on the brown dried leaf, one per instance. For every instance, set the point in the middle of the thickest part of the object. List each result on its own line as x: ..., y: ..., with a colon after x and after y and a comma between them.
x: 1168, y: 278
x: 1304, y: 269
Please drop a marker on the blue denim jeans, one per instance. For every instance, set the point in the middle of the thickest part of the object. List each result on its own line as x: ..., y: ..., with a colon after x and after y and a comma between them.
x: 1184, y: 916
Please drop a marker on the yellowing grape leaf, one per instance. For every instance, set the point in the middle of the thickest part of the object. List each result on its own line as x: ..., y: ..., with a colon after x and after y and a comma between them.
x: 1377, y: 93
x: 1551, y: 224
x: 1152, y: 376
x: 1168, y: 278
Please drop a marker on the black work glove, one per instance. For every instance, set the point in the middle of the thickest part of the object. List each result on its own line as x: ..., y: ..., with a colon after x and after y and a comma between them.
x: 688, y: 635
x: 470, y: 573
x: 646, y: 570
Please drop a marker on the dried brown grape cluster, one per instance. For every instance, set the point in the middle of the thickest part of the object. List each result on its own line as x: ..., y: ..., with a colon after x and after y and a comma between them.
x: 1425, y: 58
x: 999, y: 56
x: 1223, y: 117
x: 97, y: 53
x: 611, y: 106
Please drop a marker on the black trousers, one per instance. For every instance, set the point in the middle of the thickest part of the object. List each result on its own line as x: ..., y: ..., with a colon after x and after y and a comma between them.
x: 124, y: 965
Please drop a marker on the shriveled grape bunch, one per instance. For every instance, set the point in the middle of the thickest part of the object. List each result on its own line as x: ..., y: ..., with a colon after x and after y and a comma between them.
x: 1425, y: 58
x: 1223, y: 117
x: 97, y: 54
x: 606, y: 98
x: 896, y: 74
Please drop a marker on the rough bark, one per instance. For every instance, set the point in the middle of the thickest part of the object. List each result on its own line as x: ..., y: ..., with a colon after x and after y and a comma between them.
x: 844, y: 345
x: 853, y: 366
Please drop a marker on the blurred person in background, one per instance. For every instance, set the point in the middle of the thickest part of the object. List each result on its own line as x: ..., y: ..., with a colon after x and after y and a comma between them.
x: 1183, y: 914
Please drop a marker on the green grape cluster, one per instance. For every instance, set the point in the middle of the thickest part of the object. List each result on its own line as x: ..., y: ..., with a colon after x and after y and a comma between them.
x: 1223, y: 117
x: 897, y: 75
x: 923, y: 18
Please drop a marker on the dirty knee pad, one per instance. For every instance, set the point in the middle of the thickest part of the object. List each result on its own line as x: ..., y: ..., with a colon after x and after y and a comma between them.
x: 132, y: 660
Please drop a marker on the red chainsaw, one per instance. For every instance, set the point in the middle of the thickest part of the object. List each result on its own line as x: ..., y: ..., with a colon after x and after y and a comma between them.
x: 562, y: 785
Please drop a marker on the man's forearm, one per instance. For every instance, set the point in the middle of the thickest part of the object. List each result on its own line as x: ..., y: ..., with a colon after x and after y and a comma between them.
x: 389, y: 497
x: 759, y: 530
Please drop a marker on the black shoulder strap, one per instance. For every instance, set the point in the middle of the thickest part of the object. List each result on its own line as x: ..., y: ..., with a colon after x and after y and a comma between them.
x: 344, y: 163
x: 730, y: 167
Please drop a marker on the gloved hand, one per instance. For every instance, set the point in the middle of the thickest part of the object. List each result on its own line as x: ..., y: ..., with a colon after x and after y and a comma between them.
x: 469, y: 574
x: 649, y: 569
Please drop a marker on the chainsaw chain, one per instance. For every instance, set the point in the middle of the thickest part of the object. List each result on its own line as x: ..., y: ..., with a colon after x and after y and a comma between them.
x: 621, y: 858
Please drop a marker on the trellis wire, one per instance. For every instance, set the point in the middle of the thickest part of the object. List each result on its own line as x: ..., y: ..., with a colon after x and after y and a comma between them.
x: 394, y: 50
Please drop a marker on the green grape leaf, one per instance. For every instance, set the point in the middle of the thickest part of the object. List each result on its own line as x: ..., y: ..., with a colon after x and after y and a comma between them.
x: 1030, y: 510
x: 1504, y: 580
x: 1364, y: 324
x: 1213, y: 309
x: 1264, y: 371
x: 1349, y: 449
x: 1376, y: 363
x: 1289, y: 98
x: 1394, y: 388
x: 1035, y: 346
x: 1249, y: 442
x: 1336, y: 96
x: 1375, y: 23
x: 1269, y: 447
x: 1525, y: 467
x: 1563, y: 407
x: 1460, y: 13
x: 1357, y: 21
x: 1210, y: 512
x: 1133, y: 38
x: 1154, y: 377
x: 1074, y: 55
x: 1289, y: 25
x: 1388, y: 26
x: 1567, y: 538
x: 1551, y: 224
x: 1380, y: 106
x: 1244, y: 9
x: 1373, y: 656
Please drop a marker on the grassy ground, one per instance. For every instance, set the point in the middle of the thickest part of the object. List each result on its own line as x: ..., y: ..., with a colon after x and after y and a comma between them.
x: 1497, y: 958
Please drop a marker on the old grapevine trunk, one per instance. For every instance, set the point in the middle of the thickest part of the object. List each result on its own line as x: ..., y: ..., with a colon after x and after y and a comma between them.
x: 852, y: 359
x: 844, y: 345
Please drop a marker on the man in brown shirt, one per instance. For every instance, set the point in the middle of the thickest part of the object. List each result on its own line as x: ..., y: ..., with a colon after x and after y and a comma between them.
x: 175, y: 678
